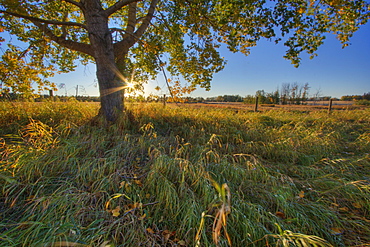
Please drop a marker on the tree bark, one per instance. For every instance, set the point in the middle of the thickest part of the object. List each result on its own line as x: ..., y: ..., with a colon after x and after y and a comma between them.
x: 109, y: 79
x: 111, y: 90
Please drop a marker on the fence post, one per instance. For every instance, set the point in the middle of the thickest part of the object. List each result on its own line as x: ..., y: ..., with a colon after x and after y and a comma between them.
x: 256, y: 105
x: 164, y: 100
x: 51, y: 95
x: 330, y: 105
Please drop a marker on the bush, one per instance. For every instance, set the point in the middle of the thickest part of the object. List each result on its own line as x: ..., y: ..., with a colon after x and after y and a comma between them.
x: 363, y: 102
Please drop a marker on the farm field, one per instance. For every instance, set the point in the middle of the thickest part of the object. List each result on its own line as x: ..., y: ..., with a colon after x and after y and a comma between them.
x: 308, y: 106
x: 184, y: 175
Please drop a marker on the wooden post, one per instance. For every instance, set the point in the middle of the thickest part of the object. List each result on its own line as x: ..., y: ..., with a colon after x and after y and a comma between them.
x: 76, y: 91
x: 164, y: 100
x: 256, y: 105
x: 51, y: 95
x: 330, y: 105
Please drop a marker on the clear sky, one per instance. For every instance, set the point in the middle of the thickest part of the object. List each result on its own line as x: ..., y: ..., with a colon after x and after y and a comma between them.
x: 335, y: 72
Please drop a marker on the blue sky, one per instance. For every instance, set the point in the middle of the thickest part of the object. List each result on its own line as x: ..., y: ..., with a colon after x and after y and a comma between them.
x: 335, y: 72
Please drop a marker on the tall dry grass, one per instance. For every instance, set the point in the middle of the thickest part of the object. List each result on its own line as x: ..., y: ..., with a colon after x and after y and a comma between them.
x: 181, y: 176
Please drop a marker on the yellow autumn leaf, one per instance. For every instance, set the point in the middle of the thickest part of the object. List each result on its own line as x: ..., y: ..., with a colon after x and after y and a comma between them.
x: 131, y: 207
x: 337, y: 230
x: 167, y: 234
x: 107, y: 205
x: 138, y: 182
x: 280, y: 215
x: 181, y: 243
x: 115, y: 212
x: 150, y: 230
x: 301, y: 194
x: 125, y: 185
x: 142, y: 217
x: 356, y: 205
x: 345, y: 209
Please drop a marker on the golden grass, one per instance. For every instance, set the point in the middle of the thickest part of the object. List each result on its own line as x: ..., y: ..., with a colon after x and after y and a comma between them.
x: 182, y: 176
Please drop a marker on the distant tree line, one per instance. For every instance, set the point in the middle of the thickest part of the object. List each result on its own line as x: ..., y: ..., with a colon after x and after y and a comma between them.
x: 365, y: 96
x: 289, y: 93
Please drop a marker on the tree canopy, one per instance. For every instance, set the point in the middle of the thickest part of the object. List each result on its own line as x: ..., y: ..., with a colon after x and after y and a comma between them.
x: 134, y: 40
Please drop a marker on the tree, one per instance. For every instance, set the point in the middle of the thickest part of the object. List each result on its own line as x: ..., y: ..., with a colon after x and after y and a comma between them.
x: 133, y: 40
x: 294, y: 92
x: 366, y: 96
x: 316, y: 96
x: 276, y: 97
x: 299, y: 93
x: 306, y: 89
x: 18, y: 74
x: 262, y: 99
x: 285, y: 93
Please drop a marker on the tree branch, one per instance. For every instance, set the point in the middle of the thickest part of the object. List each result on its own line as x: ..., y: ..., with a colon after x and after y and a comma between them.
x: 74, y: 3
x: 144, y: 25
x: 35, y: 19
x: 131, y: 22
x: 131, y: 38
x: 121, y: 48
x: 73, y: 45
x: 119, y: 5
x: 64, y: 28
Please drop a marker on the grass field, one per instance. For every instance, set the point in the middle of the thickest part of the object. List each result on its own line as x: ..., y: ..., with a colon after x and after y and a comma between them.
x: 307, y: 106
x: 183, y: 176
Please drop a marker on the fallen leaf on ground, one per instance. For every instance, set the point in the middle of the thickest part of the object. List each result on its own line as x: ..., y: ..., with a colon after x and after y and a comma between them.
x: 345, y: 209
x: 301, y: 194
x: 181, y: 243
x: 337, y: 230
x: 280, y: 215
x: 356, y: 205
x: 142, y: 217
x: 167, y: 234
x: 115, y: 212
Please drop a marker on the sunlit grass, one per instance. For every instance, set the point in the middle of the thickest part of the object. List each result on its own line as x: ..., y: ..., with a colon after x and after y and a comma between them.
x: 151, y: 179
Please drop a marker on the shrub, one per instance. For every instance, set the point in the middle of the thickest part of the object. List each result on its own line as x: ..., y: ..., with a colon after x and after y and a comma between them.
x: 363, y: 102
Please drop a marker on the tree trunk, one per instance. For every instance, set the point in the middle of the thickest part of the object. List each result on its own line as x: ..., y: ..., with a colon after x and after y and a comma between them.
x: 110, y: 82
x: 111, y: 90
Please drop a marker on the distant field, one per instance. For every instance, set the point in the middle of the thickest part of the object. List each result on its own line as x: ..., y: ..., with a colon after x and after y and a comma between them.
x: 308, y: 106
